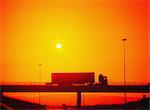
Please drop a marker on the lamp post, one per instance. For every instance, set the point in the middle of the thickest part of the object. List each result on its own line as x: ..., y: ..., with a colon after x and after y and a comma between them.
x: 40, y: 73
x: 124, y: 58
x: 40, y: 81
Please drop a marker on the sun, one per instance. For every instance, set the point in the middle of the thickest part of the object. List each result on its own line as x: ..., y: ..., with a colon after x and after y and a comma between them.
x: 58, y: 45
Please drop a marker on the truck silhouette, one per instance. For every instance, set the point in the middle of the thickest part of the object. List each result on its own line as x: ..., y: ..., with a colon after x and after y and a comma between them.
x: 76, y: 79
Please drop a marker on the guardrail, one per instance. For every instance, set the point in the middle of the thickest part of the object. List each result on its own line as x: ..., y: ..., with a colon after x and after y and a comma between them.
x: 43, y: 83
x: 22, y: 83
x: 128, y: 83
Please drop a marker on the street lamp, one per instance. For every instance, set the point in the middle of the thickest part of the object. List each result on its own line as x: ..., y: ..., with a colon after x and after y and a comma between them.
x: 40, y: 81
x: 124, y: 58
x: 40, y: 73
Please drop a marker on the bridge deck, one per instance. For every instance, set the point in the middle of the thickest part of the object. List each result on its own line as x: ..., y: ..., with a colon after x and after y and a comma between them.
x: 46, y: 88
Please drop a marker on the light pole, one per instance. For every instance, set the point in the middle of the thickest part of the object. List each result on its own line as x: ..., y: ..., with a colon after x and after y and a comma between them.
x: 40, y: 73
x: 40, y: 82
x: 124, y: 58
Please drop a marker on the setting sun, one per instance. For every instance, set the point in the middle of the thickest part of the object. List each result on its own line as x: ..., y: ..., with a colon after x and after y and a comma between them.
x: 58, y: 46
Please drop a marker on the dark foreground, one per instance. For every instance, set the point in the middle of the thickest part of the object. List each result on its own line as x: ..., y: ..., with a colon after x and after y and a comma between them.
x: 7, y: 103
x: 143, y: 104
x: 137, y: 105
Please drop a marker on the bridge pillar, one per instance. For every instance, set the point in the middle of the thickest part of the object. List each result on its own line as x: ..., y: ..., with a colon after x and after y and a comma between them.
x: 78, y: 99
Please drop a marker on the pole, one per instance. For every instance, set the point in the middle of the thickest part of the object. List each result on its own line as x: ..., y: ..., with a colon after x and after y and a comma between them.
x: 124, y: 58
x: 40, y: 73
x: 78, y: 99
x: 39, y: 82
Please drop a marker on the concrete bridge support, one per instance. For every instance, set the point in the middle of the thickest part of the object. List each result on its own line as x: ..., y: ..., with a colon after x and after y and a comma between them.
x: 78, y: 99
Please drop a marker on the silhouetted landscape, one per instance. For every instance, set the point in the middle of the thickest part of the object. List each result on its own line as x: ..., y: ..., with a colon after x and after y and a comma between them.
x: 78, y: 83
x: 16, y: 104
x: 142, y: 104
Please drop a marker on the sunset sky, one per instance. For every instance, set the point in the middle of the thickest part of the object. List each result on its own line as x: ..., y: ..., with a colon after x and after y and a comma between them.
x: 90, y: 32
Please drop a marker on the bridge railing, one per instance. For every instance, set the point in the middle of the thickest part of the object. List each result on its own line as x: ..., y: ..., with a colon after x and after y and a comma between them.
x: 44, y: 83
x: 22, y: 83
x: 128, y: 83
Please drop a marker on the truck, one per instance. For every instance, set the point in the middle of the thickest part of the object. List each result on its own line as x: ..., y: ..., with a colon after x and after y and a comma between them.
x: 76, y: 79
x: 72, y: 78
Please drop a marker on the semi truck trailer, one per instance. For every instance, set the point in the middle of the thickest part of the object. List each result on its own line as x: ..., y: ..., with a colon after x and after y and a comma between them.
x: 76, y: 78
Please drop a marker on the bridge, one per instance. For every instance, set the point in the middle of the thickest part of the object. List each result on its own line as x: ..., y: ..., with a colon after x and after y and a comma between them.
x: 77, y: 89
x: 46, y: 88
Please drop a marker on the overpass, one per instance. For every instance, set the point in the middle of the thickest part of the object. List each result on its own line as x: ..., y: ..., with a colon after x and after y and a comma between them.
x: 46, y: 88
x: 78, y: 89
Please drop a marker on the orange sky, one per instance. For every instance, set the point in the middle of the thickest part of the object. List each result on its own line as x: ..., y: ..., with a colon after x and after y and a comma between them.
x: 70, y: 98
x: 90, y: 32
